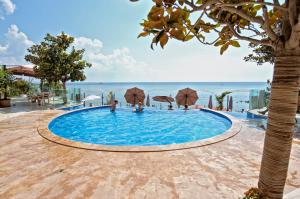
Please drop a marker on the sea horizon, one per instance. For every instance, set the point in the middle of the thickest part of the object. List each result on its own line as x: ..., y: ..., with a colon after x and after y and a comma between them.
x: 159, y: 82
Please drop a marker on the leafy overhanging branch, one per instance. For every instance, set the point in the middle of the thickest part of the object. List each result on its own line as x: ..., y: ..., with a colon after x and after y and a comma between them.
x: 229, y: 20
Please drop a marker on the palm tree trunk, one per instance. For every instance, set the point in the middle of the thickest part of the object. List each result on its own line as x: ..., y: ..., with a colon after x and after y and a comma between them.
x: 281, y: 122
x: 65, y: 99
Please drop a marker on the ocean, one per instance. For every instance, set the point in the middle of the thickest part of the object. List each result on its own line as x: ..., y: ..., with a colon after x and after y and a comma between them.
x: 240, y: 90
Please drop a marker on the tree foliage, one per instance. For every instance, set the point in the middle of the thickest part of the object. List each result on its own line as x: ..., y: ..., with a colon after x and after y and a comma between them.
x: 272, y: 24
x: 56, y: 61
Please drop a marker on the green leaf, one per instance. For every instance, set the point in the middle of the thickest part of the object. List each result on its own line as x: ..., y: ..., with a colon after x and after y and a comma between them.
x: 219, y: 43
x: 199, y: 2
x: 151, y: 46
x: 157, y: 38
x: 257, y: 8
x: 224, y: 48
x: 163, y: 40
x: 188, y: 37
x: 175, y: 15
x: 143, y: 34
x: 201, y: 36
x: 234, y: 43
x: 234, y: 18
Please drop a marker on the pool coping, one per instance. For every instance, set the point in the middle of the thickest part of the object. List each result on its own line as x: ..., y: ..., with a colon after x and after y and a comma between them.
x: 47, y: 134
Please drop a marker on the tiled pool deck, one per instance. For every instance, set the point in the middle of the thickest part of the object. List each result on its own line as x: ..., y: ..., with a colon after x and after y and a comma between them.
x: 33, y: 167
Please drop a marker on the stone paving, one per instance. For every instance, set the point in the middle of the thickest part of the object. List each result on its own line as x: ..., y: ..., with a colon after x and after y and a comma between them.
x: 33, y: 167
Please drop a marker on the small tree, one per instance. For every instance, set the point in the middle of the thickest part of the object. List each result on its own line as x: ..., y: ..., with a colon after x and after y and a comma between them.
x: 6, y: 81
x: 56, y: 61
x: 220, y: 99
x: 275, y: 24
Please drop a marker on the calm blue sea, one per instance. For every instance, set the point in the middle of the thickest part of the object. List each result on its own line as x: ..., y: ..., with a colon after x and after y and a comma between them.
x: 240, y: 90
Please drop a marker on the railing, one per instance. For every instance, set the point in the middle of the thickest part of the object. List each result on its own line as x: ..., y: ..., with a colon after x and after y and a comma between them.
x: 242, y: 99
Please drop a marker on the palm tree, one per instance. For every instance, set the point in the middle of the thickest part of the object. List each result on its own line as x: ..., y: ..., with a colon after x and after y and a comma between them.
x: 220, y: 99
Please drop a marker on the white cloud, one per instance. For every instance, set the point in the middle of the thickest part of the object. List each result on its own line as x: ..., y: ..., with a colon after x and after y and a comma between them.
x: 14, y: 50
x: 6, y: 7
x: 119, y: 65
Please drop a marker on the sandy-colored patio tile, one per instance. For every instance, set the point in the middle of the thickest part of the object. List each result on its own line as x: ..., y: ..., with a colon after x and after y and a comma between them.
x: 33, y: 167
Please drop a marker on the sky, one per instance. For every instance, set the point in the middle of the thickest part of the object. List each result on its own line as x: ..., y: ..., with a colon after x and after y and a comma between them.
x: 107, y: 30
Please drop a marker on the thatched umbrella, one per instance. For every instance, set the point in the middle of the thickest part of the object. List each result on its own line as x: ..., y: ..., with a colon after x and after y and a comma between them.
x: 134, y: 96
x: 163, y: 99
x: 187, y: 97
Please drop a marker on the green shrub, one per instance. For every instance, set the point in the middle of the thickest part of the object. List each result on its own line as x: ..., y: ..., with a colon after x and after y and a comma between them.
x: 254, y: 193
x: 21, y: 87
x: 6, y: 81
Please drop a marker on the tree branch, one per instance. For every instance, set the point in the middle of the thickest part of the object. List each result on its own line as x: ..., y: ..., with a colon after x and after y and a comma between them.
x: 202, y: 7
x: 294, y: 40
x: 254, y: 30
x: 255, y: 41
x: 242, y: 14
x: 254, y: 2
x: 266, y: 25
x: 292, y: 9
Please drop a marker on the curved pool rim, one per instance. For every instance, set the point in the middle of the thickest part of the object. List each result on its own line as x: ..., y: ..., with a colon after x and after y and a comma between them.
x: 46, y: 133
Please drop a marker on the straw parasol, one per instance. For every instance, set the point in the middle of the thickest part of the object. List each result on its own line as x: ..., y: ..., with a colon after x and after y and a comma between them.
x: 148, y: 100
x: 210, y: 104
x: 134, y: 96
x: 186, y: 96
x: 163, y: 99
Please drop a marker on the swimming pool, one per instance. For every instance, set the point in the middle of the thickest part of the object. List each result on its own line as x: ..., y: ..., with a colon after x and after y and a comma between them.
x: 150, y: 128
x: 71, y: 108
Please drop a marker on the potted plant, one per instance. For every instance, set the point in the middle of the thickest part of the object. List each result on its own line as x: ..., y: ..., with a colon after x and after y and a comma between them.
x: 6, y: 80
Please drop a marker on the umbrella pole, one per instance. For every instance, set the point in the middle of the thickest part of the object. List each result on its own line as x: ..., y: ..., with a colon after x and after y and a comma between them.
x: 134, y: 101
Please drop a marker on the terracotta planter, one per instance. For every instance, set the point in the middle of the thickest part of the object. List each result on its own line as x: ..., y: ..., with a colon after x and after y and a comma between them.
x: 4, y: 103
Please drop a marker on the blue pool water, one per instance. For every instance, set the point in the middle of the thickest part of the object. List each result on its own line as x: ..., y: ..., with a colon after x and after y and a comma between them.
x: 150, y: 128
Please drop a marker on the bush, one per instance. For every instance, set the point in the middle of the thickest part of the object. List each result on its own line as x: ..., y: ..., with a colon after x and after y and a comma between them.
x: 6, y: 80
x: 254, y: 193
x: 20, y: 87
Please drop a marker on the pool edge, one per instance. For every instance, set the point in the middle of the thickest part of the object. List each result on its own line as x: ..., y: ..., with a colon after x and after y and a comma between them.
x: 47, y: 134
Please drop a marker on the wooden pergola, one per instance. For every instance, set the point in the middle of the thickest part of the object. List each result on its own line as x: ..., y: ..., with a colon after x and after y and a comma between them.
x: 22, y: 70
